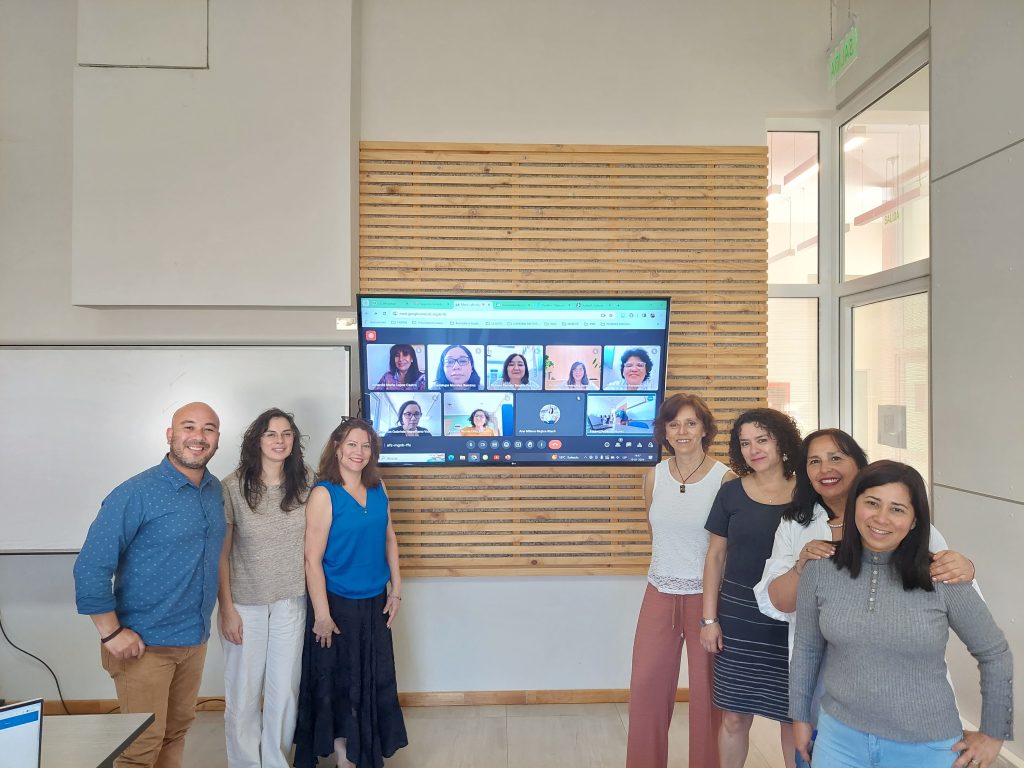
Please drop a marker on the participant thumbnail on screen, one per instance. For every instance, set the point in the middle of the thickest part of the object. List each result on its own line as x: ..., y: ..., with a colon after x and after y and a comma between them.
x: 456, y: 366
x: 478, y: 414
x: 631, y: 368
x: 396, y: 367
x: 621, y: 414
x: 572, y: 367
x: 400, y: 415
x: 541, y: 413
x: 512, y: 366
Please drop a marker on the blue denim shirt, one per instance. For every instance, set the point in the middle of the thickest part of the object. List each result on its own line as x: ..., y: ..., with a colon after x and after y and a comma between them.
x: 159, y: 537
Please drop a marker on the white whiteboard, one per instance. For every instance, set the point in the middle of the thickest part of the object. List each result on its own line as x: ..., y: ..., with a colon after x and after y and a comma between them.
x: 78, y: 421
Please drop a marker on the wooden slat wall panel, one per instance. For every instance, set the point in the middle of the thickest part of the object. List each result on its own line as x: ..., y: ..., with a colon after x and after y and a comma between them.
x: 689, y: 222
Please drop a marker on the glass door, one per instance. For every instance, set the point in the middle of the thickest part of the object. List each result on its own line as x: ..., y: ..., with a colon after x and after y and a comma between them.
x: 886, y: 394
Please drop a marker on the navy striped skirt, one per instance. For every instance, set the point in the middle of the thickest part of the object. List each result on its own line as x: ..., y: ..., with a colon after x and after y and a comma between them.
x: 752, y: 670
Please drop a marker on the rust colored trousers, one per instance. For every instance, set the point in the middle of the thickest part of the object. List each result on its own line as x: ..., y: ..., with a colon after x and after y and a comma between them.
x: 665, y: 623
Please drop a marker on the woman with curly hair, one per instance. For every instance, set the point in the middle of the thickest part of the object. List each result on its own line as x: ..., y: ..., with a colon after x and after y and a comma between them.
x: 635, y: 367
x: 263, y: 591
x: 751, y: 666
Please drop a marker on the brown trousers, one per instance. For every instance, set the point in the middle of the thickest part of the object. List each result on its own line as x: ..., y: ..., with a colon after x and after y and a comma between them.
x: 165, y: 681
x: 665, y: 622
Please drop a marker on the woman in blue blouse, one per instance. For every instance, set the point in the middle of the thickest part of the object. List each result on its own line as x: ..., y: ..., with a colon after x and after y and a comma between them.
x: 348, y: 698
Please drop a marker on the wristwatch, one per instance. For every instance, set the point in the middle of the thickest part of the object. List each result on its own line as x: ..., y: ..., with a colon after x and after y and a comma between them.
x: 708, y: 622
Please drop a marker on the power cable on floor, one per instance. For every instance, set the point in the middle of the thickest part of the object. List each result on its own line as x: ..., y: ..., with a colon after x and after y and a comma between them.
x: 32, y: 655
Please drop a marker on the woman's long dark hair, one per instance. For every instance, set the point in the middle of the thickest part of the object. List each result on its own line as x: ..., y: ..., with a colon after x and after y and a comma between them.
x: 250, y: 464
x: 585, y: 380
x: 504, y: 368
x: 442, y: 377
x: 805, y: 497
x: 911, y: 559
x: 329, y: 469
x: 413, y: 373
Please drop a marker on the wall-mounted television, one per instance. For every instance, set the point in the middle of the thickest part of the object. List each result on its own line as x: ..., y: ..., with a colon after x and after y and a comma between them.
x: 513, y: 380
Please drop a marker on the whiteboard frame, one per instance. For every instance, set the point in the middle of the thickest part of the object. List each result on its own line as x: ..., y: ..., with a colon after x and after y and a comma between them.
x: 312, y: 450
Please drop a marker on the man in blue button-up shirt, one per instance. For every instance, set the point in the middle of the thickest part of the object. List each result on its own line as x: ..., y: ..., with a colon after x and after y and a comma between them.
x: 158, y: 538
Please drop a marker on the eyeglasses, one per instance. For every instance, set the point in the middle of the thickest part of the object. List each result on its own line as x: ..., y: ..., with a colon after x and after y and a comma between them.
x: 412, y: 414
x: 453, y: 362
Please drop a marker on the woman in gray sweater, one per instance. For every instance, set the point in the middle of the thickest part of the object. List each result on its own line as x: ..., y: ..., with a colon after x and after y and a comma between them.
x: 885, y: 625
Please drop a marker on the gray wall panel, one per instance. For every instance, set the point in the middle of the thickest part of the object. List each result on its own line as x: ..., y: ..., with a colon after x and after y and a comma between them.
x: 977, y: 316
x: 977, y: 107
x: 986, y: 530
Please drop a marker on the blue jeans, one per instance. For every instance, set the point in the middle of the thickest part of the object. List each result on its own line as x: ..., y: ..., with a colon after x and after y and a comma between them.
x: 839, y: 746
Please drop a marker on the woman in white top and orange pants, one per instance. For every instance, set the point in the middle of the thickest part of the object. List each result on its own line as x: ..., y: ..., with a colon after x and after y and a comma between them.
x: 678, y: 493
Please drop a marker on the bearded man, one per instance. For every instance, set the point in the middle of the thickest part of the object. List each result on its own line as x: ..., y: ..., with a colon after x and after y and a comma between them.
x: 147, y: 577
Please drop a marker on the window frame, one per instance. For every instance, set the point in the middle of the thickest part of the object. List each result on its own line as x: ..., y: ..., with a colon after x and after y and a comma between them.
x: 828, y: 404
x: 898, y: 282
x: 836, y: 298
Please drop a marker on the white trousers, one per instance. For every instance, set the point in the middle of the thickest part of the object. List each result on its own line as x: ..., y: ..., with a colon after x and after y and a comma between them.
x: 267, y: 664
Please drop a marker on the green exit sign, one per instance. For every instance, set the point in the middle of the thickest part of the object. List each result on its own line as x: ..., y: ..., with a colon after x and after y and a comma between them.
x: 843, y: 55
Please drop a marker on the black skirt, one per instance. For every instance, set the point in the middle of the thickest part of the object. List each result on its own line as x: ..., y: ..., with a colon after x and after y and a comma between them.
x: 348, y: 691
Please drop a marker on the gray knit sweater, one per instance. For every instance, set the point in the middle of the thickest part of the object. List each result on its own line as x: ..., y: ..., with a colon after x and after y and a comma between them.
x: 885, y: 670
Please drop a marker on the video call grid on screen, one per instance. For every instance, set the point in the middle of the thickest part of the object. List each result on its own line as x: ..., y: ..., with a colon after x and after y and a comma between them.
x: 513, y: 380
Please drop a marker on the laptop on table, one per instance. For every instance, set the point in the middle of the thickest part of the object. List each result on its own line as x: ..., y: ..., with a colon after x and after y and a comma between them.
x: 21, y: 734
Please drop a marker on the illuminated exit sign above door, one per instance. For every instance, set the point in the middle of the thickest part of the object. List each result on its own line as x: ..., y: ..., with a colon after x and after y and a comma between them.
x: 843, y: 54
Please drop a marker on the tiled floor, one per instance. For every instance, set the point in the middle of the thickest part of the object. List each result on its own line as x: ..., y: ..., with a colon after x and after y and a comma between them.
x: 536, y: 736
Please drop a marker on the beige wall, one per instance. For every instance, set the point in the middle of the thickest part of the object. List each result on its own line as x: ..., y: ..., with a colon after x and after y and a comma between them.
x: 589, y: 71
x: 37, y: 124
x: 179, y: 214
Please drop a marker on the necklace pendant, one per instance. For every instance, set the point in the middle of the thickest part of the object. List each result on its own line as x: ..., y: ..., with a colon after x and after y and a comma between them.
x: 682, y: 487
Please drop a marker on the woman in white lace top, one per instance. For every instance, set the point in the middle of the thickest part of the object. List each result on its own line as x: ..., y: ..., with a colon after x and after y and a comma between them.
x: 678, y: 493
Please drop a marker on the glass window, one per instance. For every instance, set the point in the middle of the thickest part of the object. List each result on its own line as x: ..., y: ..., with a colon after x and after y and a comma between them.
x: 792, y: 207
x: 890, y: 380
x: 793, y: 360
x: 885, y: 181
